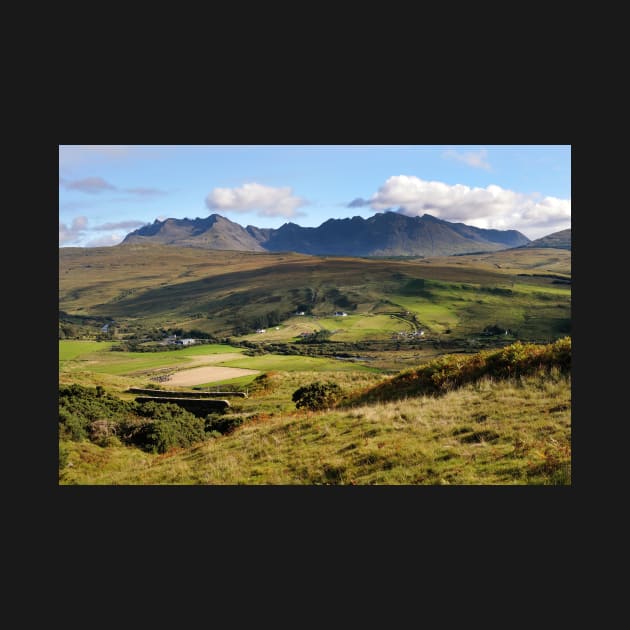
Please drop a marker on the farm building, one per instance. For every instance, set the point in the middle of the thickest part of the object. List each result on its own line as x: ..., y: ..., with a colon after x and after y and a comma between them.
x: 185, y: 342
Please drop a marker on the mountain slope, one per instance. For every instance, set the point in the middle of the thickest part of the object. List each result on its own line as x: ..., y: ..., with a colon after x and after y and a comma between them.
x: 558, y: 240
x: 384, y: 234
x: 213, y: 232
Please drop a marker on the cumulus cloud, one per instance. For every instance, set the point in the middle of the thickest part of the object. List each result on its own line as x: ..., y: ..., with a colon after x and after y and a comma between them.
x: 79, y: 230
x: 121, y: 225
x: 69, y: 234
x: 107, y: 240
x: 266, y: 200
x: 476, y: 159
x: 92, y: 185
x: 490, y: 207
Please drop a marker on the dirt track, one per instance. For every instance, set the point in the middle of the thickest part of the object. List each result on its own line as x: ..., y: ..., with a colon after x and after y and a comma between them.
x: 210, y: 374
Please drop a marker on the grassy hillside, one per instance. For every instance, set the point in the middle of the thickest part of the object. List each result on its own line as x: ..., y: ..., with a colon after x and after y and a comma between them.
x: 501, y: 417
x: 233, y: 293
x: 513, y: 432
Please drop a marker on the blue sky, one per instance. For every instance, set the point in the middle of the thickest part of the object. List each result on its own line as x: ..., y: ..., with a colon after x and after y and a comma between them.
x: 106, y: 191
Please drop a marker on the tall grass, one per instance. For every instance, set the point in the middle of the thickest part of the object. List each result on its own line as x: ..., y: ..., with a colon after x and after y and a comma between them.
x: 510, y: 431
x: 451, y: 371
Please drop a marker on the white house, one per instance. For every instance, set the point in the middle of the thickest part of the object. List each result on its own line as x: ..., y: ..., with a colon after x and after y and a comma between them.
x: 341, y: 314
x: 185, y: 342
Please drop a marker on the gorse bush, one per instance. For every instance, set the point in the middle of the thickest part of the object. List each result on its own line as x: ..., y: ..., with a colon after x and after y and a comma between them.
x: 94, y: 415
x: 317, y: 396
x: 158, y: 436
x: 452, y: 371
x: 222, y: 424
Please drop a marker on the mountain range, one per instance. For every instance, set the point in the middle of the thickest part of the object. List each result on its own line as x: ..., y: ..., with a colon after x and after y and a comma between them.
x: 384, y: 234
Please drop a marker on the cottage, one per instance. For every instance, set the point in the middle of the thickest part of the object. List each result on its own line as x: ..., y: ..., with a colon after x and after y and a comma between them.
x: 260, y: 331
x: 185, y: 342
x: 341, y: 314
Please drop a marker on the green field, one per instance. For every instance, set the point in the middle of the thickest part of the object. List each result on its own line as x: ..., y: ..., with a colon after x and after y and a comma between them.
x: 73, y: 350
x: 359, y: 327
x: 96, y: 358
x: 276, y: 362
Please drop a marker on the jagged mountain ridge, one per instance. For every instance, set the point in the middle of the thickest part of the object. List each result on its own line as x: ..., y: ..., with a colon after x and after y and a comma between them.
x: 384, y: 234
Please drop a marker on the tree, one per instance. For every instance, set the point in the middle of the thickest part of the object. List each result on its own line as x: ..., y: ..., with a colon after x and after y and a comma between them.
x: 317, y: 395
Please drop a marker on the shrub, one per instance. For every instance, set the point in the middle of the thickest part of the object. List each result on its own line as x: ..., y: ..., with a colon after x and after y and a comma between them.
x: 222, y: 424
x: 71, y: 426
x: 165, y: 426
x: 450, y: 371
x: 159, y: 436
x: 63, y: 455
x: 317, y: 395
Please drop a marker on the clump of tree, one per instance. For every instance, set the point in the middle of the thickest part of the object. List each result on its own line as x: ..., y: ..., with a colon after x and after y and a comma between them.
x: 319, y: 336
x: 316, y: 396
x: 246, y: 325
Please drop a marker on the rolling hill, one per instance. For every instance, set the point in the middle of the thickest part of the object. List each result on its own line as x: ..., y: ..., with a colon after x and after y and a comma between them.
x: 224, y: 292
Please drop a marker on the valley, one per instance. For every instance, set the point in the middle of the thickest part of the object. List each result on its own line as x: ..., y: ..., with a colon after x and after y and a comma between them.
x: 268, y: 323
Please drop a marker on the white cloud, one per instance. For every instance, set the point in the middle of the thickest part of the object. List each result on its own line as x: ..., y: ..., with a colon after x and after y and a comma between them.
x: 266, y: 200
x: 475, y: 159
x: 107, y: 240
x: 490, y: 207
x: 74, y: 232
x: 78, y: 230
x: 120, y: 225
